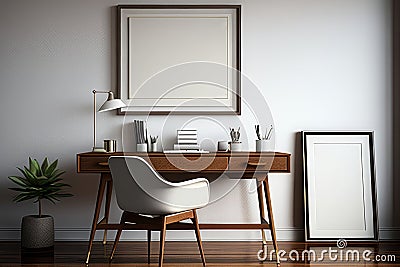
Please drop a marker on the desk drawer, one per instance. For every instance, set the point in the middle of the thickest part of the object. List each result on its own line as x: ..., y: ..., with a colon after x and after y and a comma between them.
x: 194, y: 164
x: 251, y: 164
x: 174, y: 163
x: 93, y: 164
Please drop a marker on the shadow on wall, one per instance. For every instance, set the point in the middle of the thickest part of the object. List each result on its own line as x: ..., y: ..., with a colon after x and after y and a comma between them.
x: 396, y: 156
x: 396, y: 160
x: 396, y: 112
x: 298, y: 204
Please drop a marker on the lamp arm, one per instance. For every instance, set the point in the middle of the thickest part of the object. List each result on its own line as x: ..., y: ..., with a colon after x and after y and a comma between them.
x: 110, y: 104
x: 100, y: 92
x: 94, y: 119
x: 110, y: 95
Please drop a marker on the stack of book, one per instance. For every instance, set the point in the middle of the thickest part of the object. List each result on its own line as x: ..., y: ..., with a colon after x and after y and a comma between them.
x: 187, y: 140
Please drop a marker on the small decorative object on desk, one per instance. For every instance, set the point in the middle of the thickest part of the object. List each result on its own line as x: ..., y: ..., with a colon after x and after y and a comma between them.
x: 263, y: 140
x: 223, y: 146
x: 153, y: 143
x: 235, y: 144
x: 186, y: 140
x: 110, y: 146
x: 141, y: 135
x: 141, y: 147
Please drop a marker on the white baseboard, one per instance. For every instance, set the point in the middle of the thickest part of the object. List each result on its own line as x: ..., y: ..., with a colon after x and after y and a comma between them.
x: 283, y: 234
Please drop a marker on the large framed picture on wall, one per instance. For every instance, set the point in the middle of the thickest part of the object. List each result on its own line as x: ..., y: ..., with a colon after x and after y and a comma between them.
x: 179, y: 58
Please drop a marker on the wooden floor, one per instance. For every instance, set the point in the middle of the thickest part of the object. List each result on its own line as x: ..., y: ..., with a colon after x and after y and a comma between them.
x: 186, y: 254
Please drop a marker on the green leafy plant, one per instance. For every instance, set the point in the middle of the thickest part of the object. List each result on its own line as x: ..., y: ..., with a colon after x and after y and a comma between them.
x: 39, y: 182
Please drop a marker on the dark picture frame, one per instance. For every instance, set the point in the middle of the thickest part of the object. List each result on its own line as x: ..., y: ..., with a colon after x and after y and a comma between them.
x: 339, y: 186
x: 140, y: 40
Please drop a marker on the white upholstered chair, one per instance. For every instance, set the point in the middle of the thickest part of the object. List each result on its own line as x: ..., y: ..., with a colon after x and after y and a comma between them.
x: 150, y: 201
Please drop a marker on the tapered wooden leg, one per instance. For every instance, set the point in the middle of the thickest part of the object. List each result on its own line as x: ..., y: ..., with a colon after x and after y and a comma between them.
x: 100, y: 193
x: 271, y: 217
x: 198, y: 237
x: 107, y: 207
x: 262, y: 218
x: 148, y: 245
x: 162, y: 241
x: 117, y: 237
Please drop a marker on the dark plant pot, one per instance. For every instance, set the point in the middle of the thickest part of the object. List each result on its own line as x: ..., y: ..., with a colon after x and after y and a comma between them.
x: 37, y: 232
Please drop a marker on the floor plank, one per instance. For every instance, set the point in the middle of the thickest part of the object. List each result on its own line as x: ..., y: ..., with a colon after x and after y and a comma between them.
x: 186, y: 254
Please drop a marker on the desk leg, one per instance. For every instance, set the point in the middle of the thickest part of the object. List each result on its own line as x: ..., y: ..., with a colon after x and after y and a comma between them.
x: 271, y: 218
x: 262, y: 216
x: 102, y: 184
x: 107, y: 207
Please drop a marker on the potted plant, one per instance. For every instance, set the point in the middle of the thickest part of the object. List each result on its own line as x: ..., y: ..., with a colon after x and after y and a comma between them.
x: 39, y: 182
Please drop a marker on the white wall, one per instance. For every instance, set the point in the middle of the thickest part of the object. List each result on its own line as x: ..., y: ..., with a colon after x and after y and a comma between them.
x: 320, y: 65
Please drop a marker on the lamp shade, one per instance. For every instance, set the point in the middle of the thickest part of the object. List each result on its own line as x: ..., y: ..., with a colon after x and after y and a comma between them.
x: 112, y: 104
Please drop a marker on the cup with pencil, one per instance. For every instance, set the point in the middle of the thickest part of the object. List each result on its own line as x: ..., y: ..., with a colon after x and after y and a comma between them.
x: 262, y: 142
x: 141, y: 135
x: 153, y: 143
x: 235, y: 144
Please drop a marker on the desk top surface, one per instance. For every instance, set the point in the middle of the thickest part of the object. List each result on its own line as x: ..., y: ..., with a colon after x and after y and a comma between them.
x: 249, y: 161
x: 210, y: 154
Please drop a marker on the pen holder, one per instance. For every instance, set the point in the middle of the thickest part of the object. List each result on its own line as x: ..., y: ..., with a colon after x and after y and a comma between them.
x: 262, y: 145
x: 235, y: 146
x: 141, y: 147
x: 153, y: 147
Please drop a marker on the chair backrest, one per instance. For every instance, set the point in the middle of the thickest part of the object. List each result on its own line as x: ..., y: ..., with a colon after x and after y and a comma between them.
x: 140, y: 189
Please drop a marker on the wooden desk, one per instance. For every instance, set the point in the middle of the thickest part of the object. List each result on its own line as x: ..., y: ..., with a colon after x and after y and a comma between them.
x: 237, y: 165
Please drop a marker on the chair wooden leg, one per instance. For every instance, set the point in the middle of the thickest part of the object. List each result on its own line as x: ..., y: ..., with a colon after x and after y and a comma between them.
x: 162, y: 241
x: 198, y: 237
x: 107, y: 207
x: 117, y: 237
x: 148, y: 245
